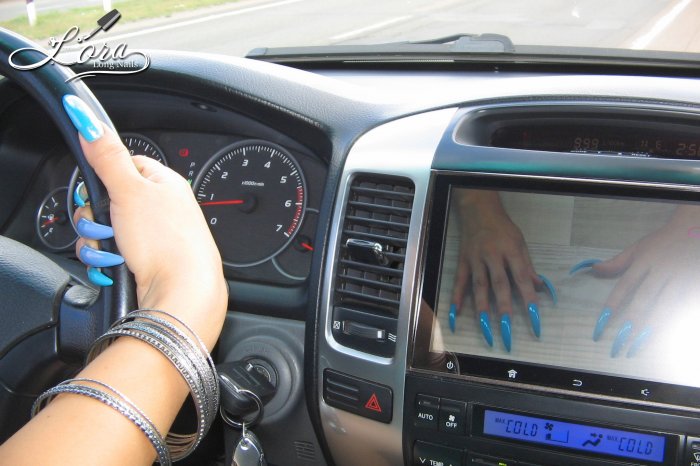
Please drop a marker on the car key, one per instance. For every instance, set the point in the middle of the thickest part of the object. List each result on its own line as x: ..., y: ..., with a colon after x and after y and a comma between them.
x: 248, y: 451
x: 237, y: 376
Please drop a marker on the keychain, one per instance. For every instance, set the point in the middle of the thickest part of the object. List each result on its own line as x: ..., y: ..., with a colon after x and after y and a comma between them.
x: 248, y: 450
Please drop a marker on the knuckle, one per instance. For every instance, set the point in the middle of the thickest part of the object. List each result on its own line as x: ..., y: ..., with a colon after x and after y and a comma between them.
x: 481, y: 283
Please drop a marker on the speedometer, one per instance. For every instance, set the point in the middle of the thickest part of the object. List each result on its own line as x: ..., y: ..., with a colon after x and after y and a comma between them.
x: 253, y: 195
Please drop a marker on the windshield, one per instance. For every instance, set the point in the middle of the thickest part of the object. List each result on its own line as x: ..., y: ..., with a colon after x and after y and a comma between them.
x: 234, y: 28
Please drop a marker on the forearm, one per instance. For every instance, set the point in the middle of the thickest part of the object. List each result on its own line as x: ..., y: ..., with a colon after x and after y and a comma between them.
x: 78, y: 430
x: 93, y: 433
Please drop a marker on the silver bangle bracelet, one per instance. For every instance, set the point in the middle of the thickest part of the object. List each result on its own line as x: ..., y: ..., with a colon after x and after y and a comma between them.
x: 180, y: 445
x: 191, y: 359
x: 119, y: 403
x: 147, y: 314
x: 205, y: 370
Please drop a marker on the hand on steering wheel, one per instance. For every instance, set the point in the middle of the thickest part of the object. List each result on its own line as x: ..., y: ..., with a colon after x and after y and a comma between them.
x: 157, y: 225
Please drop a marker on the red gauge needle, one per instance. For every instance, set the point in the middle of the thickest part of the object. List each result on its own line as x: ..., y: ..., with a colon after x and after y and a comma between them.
x: 49, y: 222
x: 229, y: 202
x: 307, y: 246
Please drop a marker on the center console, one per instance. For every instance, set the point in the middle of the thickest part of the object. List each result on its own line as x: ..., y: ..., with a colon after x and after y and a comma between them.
x: 542, y: 307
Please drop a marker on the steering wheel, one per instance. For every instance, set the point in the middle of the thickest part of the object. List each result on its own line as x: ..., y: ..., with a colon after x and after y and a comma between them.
x: 47, y: 323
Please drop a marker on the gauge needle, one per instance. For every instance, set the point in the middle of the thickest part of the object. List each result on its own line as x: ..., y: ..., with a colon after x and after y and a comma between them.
x: 229, y: 202
x: 307, y: 246
x: 49, y: 222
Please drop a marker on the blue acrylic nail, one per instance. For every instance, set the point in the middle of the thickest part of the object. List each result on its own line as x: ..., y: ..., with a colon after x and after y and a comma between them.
x: 639, y: 342
x: 453, y: 317
x: 486, y: 327
x: 83, y: 118
x: 584, y: 264
x: 91, y: 230
x: 98, y: 278
x: 78, y: 196
x: 601, y: 323
x: 621, y: 338
x: 96, y: 258
x: 550, y: 288
x: 534, y: 312
x: 505, y: 331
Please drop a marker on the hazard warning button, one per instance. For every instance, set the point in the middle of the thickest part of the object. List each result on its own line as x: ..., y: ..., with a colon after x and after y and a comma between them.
x: 357, y: 395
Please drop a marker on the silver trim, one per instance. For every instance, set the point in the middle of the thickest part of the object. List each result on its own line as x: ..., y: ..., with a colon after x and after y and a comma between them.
x: 404, y: 148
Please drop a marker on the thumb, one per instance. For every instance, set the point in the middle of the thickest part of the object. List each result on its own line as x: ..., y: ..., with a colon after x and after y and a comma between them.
x: 616, y: 265
x: 102, y: 147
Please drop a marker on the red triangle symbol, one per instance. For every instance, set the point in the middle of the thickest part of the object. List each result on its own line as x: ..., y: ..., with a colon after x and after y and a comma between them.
x: 373, y: 403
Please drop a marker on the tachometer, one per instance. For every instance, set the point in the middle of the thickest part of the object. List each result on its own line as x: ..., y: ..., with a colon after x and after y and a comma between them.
x: 253, y: 195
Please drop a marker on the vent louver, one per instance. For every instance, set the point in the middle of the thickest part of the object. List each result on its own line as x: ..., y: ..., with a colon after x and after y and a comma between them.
x: 378, y: 213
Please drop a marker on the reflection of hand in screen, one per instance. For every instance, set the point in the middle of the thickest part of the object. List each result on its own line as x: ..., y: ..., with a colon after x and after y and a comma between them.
x: 493, y: 259
x: 656, y: 274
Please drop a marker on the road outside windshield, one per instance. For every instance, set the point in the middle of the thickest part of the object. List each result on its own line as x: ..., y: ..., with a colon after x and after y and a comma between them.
x: 234, y: 28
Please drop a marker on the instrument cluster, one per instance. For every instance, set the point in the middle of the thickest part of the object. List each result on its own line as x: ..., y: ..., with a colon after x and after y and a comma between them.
x: 260, y: 199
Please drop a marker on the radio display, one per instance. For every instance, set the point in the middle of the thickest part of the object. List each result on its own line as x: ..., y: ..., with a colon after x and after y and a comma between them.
x: 574, y: 436
x: 601, y: 140
x: 583, y: 288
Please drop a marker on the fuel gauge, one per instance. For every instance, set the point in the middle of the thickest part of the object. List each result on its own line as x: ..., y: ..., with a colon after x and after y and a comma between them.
x: 53, y: 225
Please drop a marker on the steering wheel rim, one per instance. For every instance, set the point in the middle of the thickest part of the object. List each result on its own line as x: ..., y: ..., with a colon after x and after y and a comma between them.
x: 47, y: 85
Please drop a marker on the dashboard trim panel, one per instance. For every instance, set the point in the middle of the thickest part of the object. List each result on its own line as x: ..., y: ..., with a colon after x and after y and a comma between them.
x: 405, y: 148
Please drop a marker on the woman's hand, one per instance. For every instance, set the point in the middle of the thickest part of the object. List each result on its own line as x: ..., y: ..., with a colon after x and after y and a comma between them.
x: 656, y: 274
x: 493, y: 252
x: 165, y: 241
x: 162, y: 235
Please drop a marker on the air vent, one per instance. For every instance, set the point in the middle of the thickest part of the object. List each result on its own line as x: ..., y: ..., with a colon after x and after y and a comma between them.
x: 371, y: 262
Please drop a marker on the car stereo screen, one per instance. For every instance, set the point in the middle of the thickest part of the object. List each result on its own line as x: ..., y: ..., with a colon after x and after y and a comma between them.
x: 602, y: 285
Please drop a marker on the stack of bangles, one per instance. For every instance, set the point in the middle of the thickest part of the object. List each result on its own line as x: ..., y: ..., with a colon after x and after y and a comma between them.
x: 184, y: 349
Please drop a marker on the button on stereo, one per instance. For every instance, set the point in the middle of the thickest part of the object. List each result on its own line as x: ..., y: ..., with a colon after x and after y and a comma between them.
x: 692, y: 452
x: 453, y: 416
x: 427, y: 412
x: 481, y: 460
x: 430, y: 454
x: 362, y: 397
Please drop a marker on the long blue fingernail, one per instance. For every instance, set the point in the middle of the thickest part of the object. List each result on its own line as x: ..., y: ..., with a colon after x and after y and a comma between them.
x: 91, y: 230
x: 80, y: 195
x: 584, y: 264
x: 534, y: 318
x: 550, y: 287
x: 621, y: 338
x: 98, y: 278
x: 453, y: 317
x: 83, y: 118
x: 505, y: 331
x: 638, y: 342
x: 601, y: 323
x: 96, y: 258
x: 486, y: 327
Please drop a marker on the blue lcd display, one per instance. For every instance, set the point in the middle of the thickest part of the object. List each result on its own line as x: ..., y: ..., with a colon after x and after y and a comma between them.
x: 560, y: 434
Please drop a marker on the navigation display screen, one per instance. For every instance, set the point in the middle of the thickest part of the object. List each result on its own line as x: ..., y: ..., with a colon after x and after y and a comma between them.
x: 592, y: 292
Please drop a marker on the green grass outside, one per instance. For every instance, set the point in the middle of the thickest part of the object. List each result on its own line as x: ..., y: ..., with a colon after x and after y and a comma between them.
x: 56, y: 23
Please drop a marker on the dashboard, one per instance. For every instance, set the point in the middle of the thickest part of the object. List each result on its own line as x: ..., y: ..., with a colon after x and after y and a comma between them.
x: 238, y: 172
x: 331, y: 194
